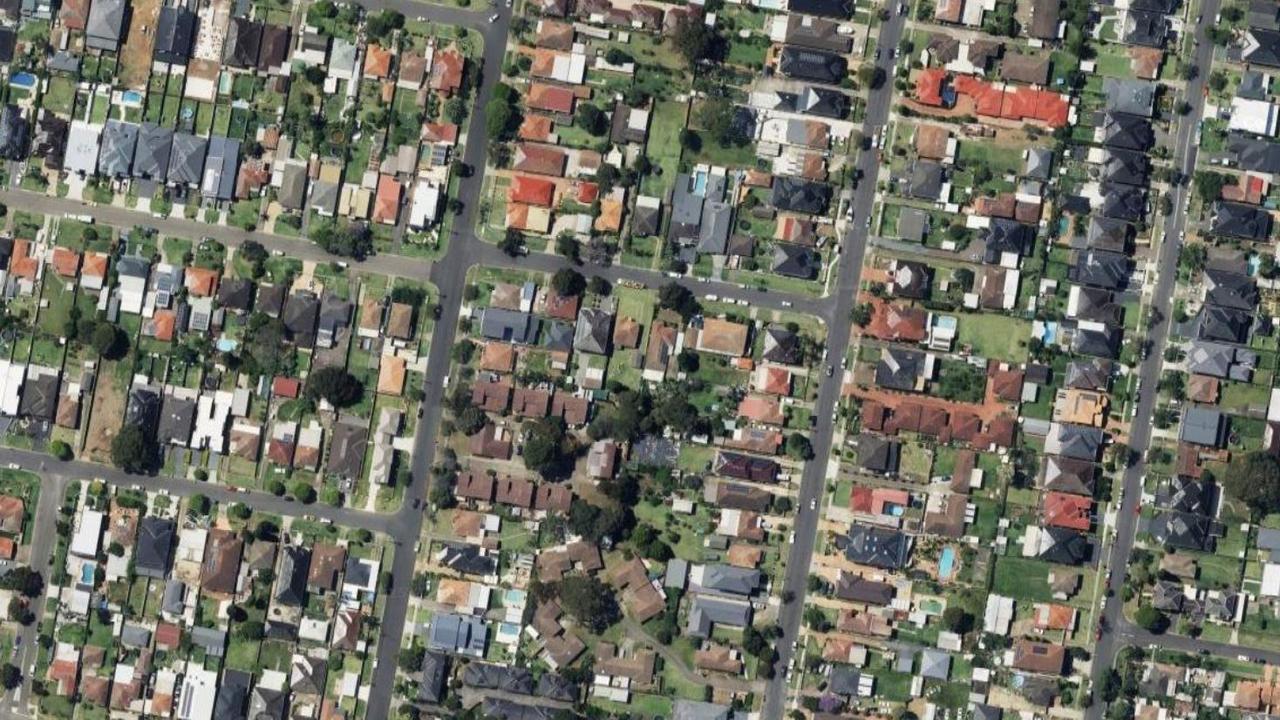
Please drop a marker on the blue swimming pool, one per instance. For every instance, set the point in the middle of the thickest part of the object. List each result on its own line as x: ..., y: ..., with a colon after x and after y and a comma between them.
x: 700, y: 182
x: 23, y: 80
x: 946, y: 562
x: 86, y: 573
x: 131, y: 96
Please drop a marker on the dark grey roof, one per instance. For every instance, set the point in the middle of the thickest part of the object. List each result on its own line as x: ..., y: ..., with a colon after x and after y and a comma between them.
x: 186, y: 159
x: 801, y: 196
x: 1242, y: 221
x: 347, y: 448
x: 878, y: 454
x: 781, y: 346
x: 1065, y: 547
x: 291, y: 584
x: 899, y: 368
x: 815, y: 65
x: 172, y: 601
x: 1188, y: 495
x: 152, y: 151
x: 729, y: 579
x: 1089, y: 374
x: 1127, y: 167
x: 177, y: 419
x: 233, y: 690
x: 859, y: 589
x: 143, y: 408
x: 1218, y: 360
x: 243, y: 41
x: 435, y: 674
x: 842, y: 9
x: 356, y: 571
x: 1202, y: 426
x: 707, y: 611
x: 878, y: 547
x: 1007, y: 236
x: 14, y: 131
x: 1254, y: 154
x: 557, y: 687
x: 220, y: 165
x: 1110, y: 234
x: 175, y: 33
x: 1096, y: 340
x: 301, y: 312
x: 1150, y: 29
x: 467, y: 559
x: 508, y: 325
x: 105, y: 24
x: 39, y: 396
x: 503, y: 709
x: 267, y: 704
x: 1230, y: 289
x: 593, y: 331
x: 1080, y: 442
x: 845, y: 679
x: 1136, y: 97
x: 1127, y: 132
x: 155, y: 547
x: 1097, y: 305
x: 235, y: 294
x: 453, y: 633
x: 1223, y: 324
x: 823, y: 102
x: 1262, y: 47
x: 1103, y: 269
x: 116, y: 154
x: 926, y: 180
x: 504, y: 678
x: 1061, y: 474
x: 293, y: 186
x: 713, y: 231
x: 795, y: 261
x: 1184, y: 530
x: 1124, y: 202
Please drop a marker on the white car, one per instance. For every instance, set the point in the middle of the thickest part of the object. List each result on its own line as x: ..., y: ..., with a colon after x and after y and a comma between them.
x: 813, y: 504
x: 493, y: 17
x: 710, y: 297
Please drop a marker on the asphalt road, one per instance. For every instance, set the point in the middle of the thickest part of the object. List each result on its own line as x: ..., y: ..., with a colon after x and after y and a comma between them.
x: 813, y: 480
x: 1120, y: 631
x: 44, y: 523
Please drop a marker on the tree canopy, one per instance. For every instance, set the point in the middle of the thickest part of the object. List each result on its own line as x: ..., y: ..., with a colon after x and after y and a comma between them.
x: 589, y: 601
x: 1254, y: 479
x: 335, y: 385
x: 133, y: 450
x: 674, y: 296
x: 546, y: 448
x: 568, y: 282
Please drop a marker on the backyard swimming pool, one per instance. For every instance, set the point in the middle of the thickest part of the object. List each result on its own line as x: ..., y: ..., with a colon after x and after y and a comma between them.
x: 946, y: 562
x: 23, y: 80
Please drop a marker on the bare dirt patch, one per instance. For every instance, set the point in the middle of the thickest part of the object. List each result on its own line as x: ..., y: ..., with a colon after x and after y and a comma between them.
x: 135, y: 53
x: 105, y: 419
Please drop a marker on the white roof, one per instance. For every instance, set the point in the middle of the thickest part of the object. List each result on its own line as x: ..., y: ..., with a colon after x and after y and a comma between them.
x: 88, y: 534
x: 212, y: 413
x: 1273, y: 408
x: 1270, y: 580
x: 426, y: 205
x: 1253, y: 116
x: 199, y: 688
x: 999, y: 614
x: 12, y: 376
x: 82, y: 147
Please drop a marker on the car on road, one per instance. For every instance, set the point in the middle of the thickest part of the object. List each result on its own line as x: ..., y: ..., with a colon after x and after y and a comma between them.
x: 786, y: 303
x: 813, y: 504
x: 830, y: 370
x: 711, y: 297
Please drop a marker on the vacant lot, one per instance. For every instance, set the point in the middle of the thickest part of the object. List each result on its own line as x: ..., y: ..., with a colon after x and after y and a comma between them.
x: 135, y: 52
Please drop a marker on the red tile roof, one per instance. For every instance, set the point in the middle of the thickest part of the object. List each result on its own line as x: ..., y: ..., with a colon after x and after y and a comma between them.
x: 1067, y: 511
x: 531, y: 191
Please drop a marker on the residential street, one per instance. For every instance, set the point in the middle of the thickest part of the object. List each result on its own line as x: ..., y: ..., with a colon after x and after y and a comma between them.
x: 840, y: 307
x: 465, y: 250
x: 1184, y: 154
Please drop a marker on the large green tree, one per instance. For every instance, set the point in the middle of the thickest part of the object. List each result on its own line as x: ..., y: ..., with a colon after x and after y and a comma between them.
x: 589, y: 601
x: 133, y: 450
x: 1254, y: 478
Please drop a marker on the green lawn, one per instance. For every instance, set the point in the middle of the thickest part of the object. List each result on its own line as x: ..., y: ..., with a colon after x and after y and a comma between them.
x: 663, y: 147
x: 997, y: 337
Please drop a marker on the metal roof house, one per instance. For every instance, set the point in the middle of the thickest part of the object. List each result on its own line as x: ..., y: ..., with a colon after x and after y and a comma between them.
x: 186, y: 159
x: 106, y: 24
x: 152, y: 152
x: 175, y: 34
x: 118, y: 141
x: 220, y: 168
